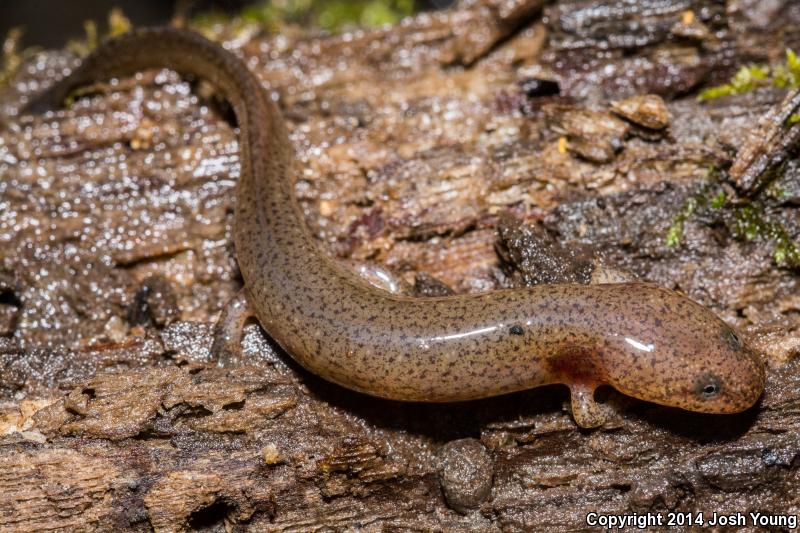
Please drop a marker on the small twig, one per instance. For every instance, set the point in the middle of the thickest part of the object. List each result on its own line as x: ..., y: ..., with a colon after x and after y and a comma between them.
x: 773, y: 140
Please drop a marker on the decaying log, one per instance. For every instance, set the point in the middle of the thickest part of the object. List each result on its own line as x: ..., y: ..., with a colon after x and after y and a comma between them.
x: 413, y: 143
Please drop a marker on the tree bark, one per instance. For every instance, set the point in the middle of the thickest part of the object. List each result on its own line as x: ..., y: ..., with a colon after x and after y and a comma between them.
x: 413, y: 142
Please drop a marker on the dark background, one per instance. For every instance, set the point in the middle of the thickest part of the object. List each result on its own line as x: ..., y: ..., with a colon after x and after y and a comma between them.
x: 50, y: 23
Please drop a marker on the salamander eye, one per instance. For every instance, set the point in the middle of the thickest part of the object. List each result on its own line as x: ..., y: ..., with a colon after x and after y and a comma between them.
x: 732, y: 339
x: 708, y: 386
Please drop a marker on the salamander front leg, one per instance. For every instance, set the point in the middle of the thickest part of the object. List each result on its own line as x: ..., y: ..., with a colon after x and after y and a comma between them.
x: 227, y: 345
x: 585, y: 410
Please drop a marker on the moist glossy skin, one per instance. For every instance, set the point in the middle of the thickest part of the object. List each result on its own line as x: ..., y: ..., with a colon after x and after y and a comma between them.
x: 645, y: 341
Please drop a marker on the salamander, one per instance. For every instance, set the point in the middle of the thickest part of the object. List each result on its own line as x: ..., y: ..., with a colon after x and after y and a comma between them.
x: 645, y: 341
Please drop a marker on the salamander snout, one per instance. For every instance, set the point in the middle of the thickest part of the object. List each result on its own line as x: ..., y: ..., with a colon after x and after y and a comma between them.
x: 675, y: 352
x: 731, y: 385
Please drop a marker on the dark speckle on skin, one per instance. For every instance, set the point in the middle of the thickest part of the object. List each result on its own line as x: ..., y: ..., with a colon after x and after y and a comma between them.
x: 646, y: 341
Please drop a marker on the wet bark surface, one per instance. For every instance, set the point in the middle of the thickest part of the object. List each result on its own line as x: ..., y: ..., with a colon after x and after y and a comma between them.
x: 414, y: 144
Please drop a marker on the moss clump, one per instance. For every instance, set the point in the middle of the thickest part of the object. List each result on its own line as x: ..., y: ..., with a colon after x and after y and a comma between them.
x: 334, y: 15
x: 747, y: 223
x: 786, y: 252
x: 709, y: 195
x: 331, y: 15
x: 718, y: 202
x: 11, y: 57
x: 744, y: 222
x: 675, y: 231
x: 751, y: 221
x: 787, y: 75
x: 118, y: 24
x: 747, y: 78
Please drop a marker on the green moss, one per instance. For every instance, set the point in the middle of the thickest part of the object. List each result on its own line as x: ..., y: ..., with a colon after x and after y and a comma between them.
x: 776, y: 190
x: 745, y: 222
x: 378, y: 13
x: 786, y: 252
x: 118, y: 24
x: 331, y: 15
x: 747, y: 78
x: 704, y: 197
x: 335, y: 14
x: 788, y: 74
x: 718, y: 202
x: 11, y: 57
x: 751, y: 222
x: 675, y: 231
x: 793, y: 119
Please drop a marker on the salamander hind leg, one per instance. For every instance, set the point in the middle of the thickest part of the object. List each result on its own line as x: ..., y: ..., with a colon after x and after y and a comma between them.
x: 585, y: 410
x: 227, y: 344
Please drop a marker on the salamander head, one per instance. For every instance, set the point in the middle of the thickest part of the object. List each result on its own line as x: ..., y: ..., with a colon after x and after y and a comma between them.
x: 675, y: 352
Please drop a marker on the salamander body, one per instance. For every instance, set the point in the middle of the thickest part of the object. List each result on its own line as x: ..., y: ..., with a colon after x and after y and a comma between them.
x: 645, y: 341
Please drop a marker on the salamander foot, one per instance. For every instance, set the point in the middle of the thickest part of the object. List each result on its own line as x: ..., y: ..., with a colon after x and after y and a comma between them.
x: 227, y: 345
x: 585, y: 410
